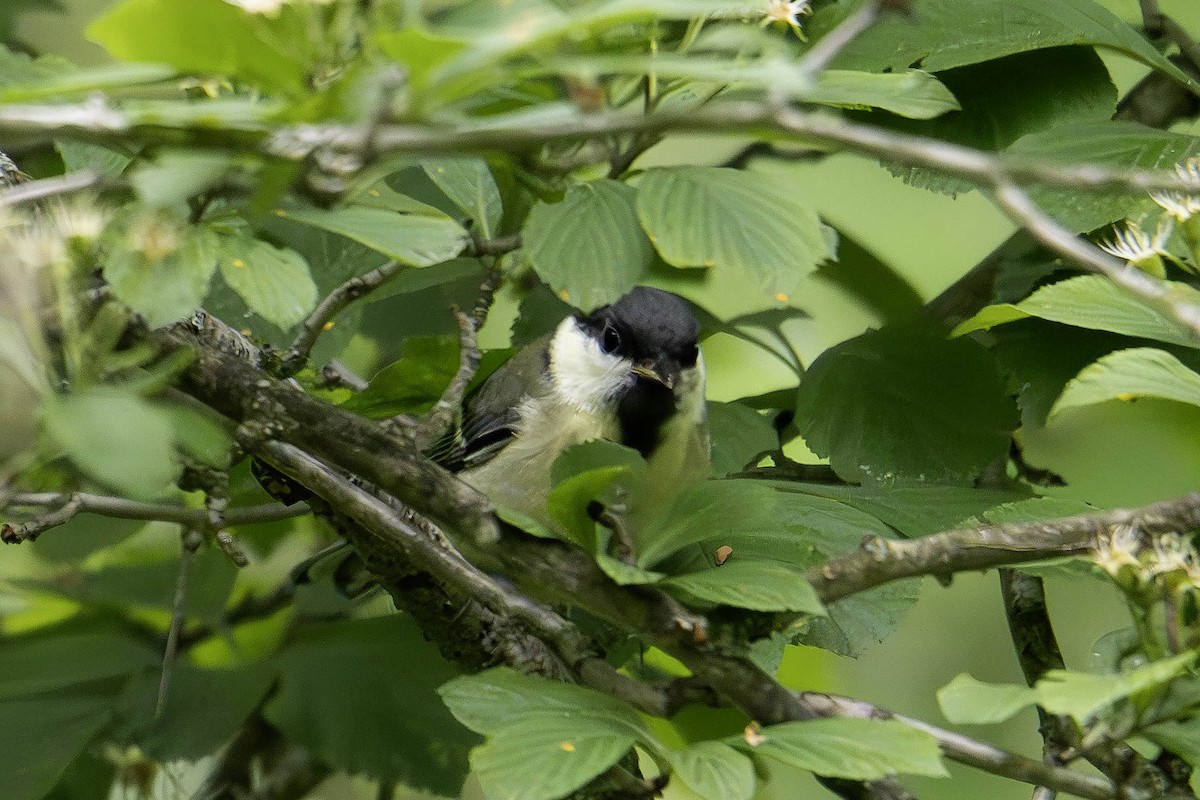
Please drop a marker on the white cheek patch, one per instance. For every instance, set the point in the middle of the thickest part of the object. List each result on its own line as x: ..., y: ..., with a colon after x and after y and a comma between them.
x: 585, y: 376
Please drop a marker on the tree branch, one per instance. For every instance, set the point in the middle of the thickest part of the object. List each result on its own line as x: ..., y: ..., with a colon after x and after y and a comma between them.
x: 321, y: 318
x: 298, y: 142
x: 979, y: 755
x: 1150, y: 290
x: 879, y: 561
x: 65, y: 506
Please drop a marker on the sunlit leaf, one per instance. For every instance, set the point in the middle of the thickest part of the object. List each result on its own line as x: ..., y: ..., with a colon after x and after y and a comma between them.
x: 117, y: 438
x: 1116, y: 144
x: 588, y: 247
x: 1081, y: 694
x: 747, y: 224
x: 545, y: 758
x: 274, y: 282
x: 493, y: 700
x: 235, y: 42
x: 704, y: 510
x: 167, y: 288
x: 714, y: 771
x: 1092, y: 301
x: 967, y: 701
x: 469, y: 184
x: 1128, y: 375
x: 754, y: 584
x: 409, y: 238
x: 863, y: 749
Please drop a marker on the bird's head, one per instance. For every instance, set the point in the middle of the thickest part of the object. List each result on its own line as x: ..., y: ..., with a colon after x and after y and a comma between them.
x: 639, y: 352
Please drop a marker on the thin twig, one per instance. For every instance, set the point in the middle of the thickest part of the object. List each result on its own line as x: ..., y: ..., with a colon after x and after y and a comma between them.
x: 822, y: 54
x: 67, y: 505
x: 190, y: 540
x: 42, y: 188
x: 879, y: 561
x: 321, y: 318
x: 977, y: 754
x: 441, y: 418
x: 1152, y: 291
x: 730, y: 116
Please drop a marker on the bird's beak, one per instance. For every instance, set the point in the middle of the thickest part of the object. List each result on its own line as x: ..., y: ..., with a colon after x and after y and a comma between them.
x: 654, y: 372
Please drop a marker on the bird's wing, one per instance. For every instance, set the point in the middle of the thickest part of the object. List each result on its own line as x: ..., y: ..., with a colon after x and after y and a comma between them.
x: 491, y: 417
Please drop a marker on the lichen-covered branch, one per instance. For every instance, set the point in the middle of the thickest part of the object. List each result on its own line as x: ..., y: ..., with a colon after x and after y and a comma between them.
x: 879, y: 561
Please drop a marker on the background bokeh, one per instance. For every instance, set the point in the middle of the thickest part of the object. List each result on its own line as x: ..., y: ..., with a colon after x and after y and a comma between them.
x: 1121, y: 452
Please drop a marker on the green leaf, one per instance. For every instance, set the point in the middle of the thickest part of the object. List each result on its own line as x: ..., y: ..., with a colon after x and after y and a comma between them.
x: 1180, y: 738
x: 1038, y: 373
x: 714, y: 771
x: 914, y: 508
x: 413, y: 239
x: 593, y: 455
x: 750, y: 225
x: 54, y: 730
x: 469, y: 184
x: 117, y: 438
x: 105, y: 161
x: 568, y: 503
x: 855, y: 623
x: 55, y: 660
x: 997, y: 111
x: 166, y: 289
x: 500, y: 697
x: 966, y: 701
x: 1128, y: 375
x: 752, y: 584
x: 205, y: 708
x: 881, y: 405
x: 1115, y: 144
x: 911, y: 93
x: 411, y: 384
x: 739, y: 434
x: 589, y: 246
x: 1081, y: 694
x: 199, y: 436
x: 176, y: 175
x: 705, y: 510
x: 420, y: 51
x: 258, y: 48
x: 360, y: 696
x: 941, y: 34
x: 275, y: 282
x: 47, y: 78
x: 1092, y: 301
x: 861, y: 749
x: 546, y: 758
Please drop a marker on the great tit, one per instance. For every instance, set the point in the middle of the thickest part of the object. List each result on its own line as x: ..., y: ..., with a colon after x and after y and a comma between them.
x: 629, y: 372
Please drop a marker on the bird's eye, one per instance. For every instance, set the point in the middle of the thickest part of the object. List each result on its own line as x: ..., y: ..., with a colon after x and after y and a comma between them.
x: 610, y: 340
x: 689, y: 356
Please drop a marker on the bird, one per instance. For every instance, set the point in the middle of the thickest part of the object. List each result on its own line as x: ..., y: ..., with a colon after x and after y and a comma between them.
x: 629, y: 372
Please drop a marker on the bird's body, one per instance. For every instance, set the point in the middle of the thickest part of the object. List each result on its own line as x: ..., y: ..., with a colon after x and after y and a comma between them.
x: 629, y: 373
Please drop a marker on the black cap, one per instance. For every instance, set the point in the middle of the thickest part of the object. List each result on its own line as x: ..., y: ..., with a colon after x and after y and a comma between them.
x: 649, y: 324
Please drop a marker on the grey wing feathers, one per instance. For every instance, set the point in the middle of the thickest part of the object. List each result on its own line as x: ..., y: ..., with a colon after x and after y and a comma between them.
x: 491, y: 416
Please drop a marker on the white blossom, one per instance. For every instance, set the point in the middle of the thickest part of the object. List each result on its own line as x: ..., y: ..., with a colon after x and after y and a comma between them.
x: 1134, y: 244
